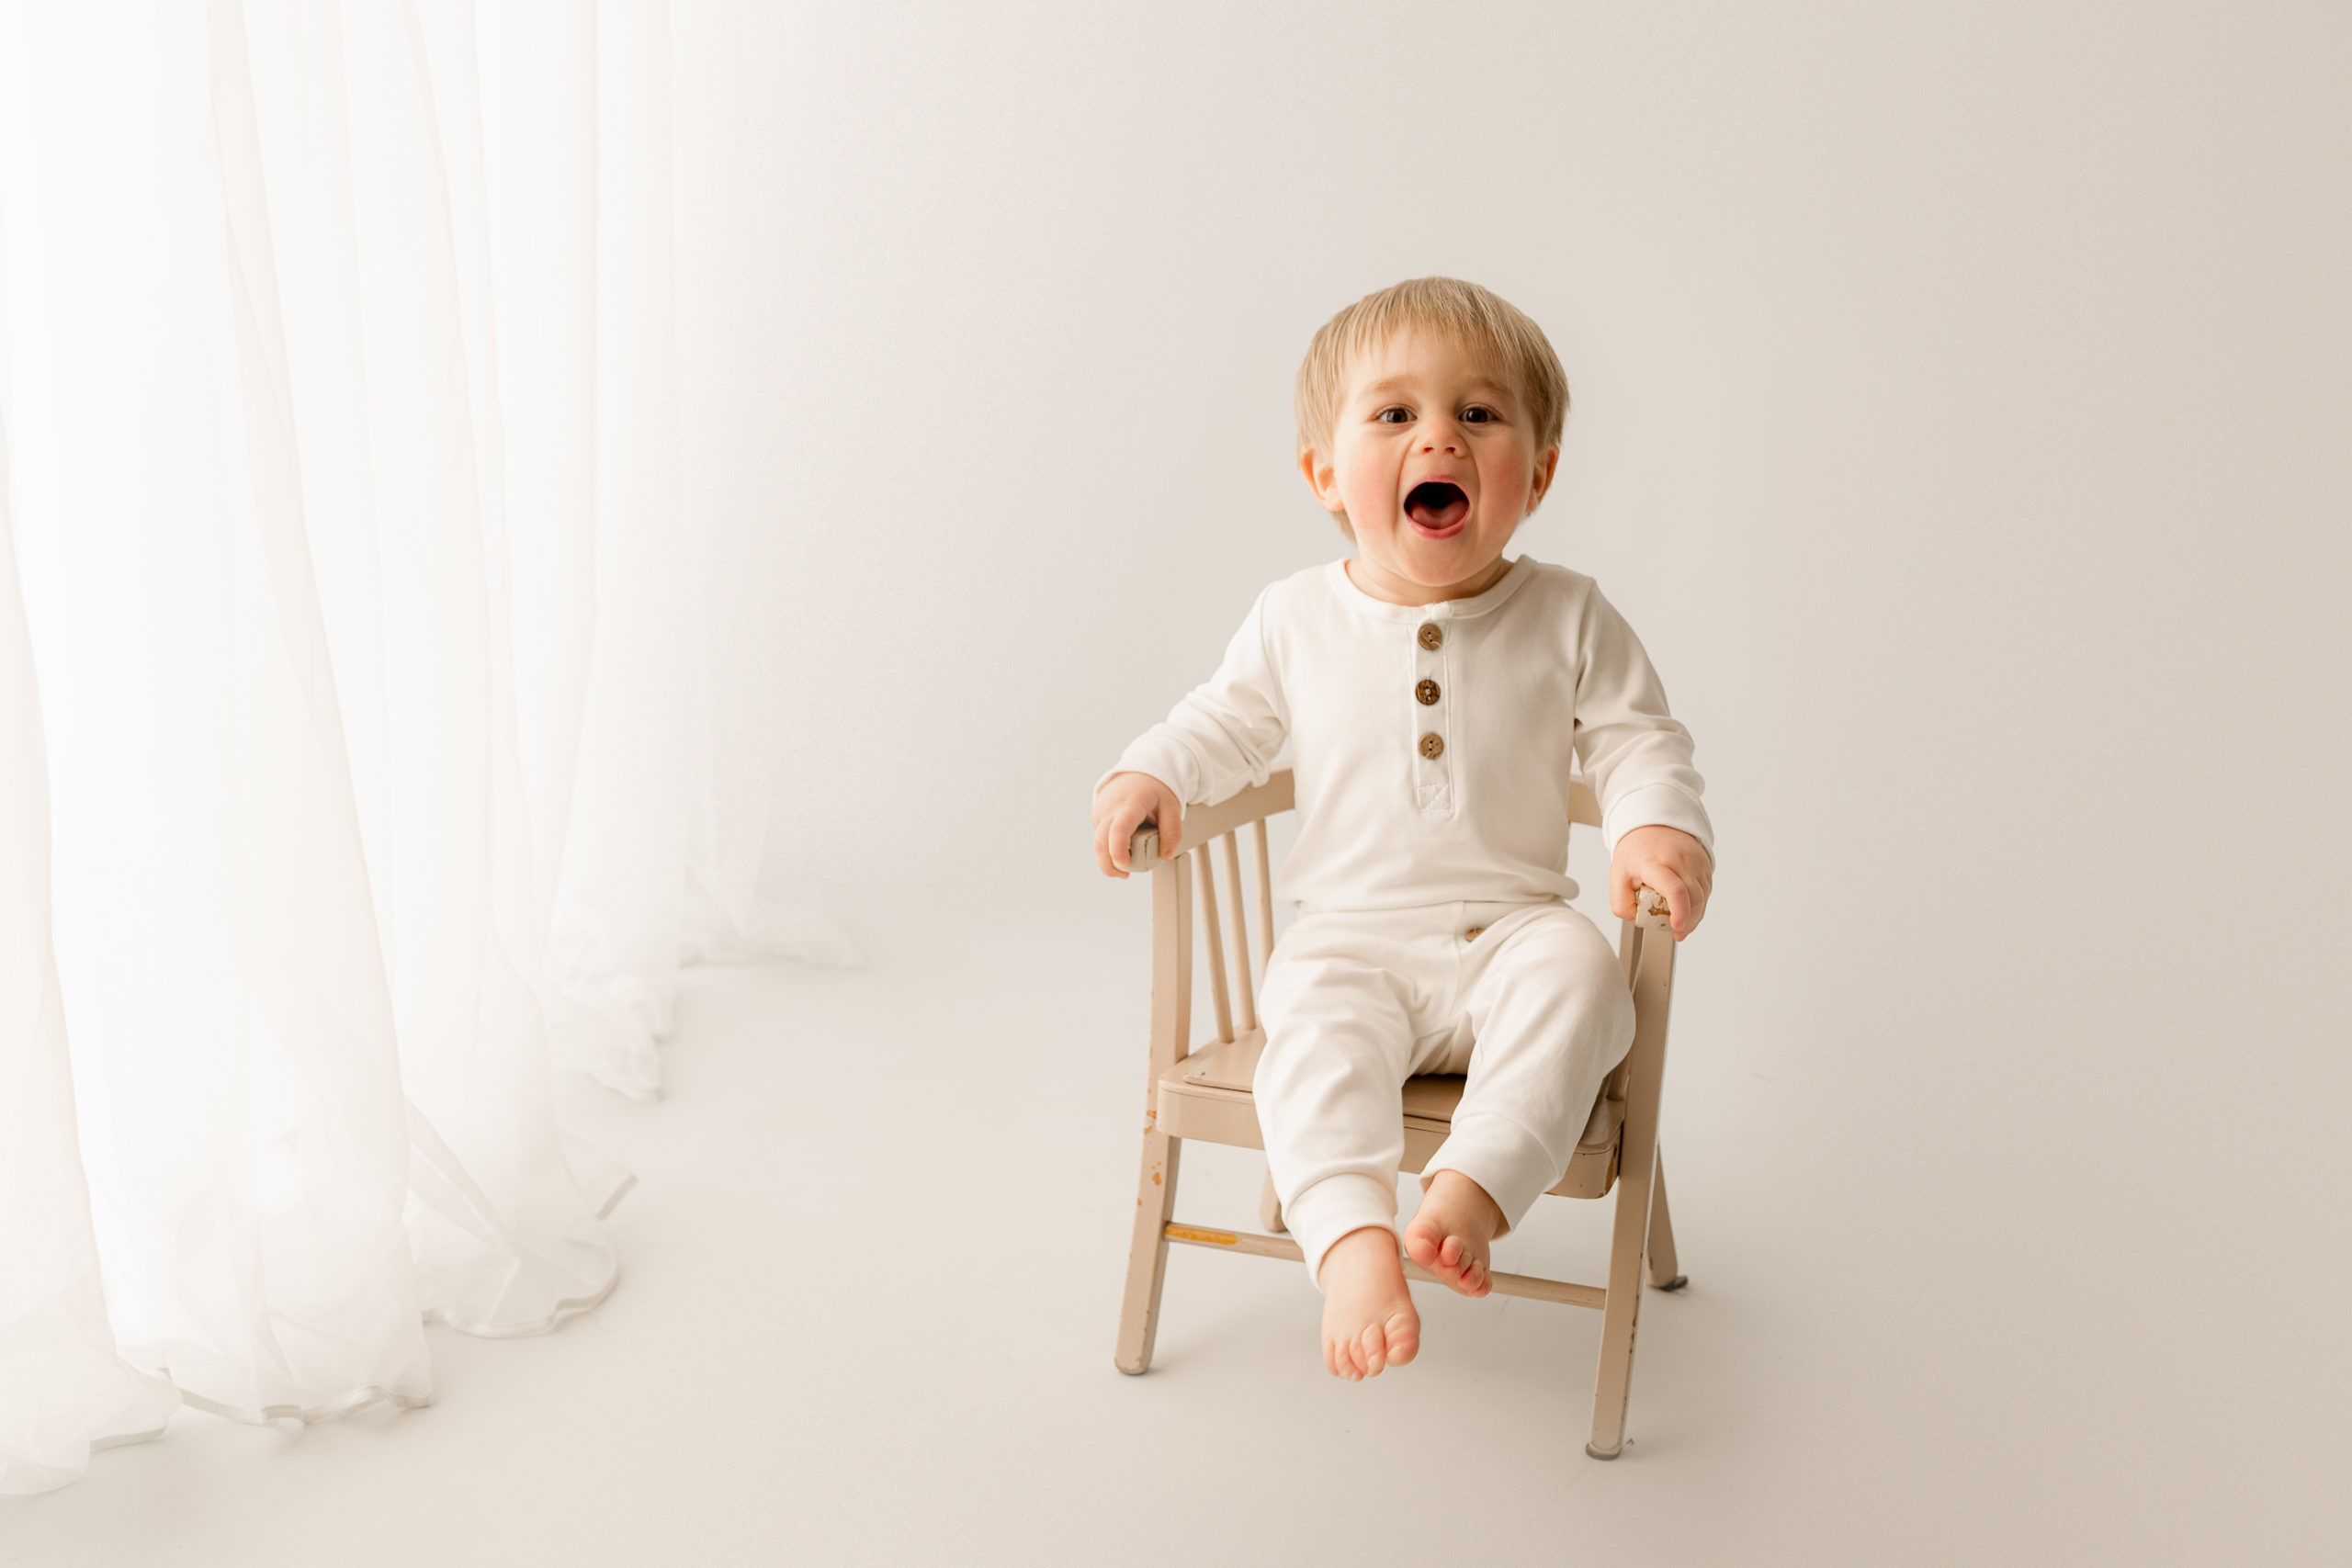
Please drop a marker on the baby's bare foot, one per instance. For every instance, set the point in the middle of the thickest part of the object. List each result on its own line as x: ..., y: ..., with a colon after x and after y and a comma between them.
x: 1453, y: 1234
x: 1368, y: 1317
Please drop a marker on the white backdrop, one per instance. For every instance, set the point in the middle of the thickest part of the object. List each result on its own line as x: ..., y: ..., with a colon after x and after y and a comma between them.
x: 1960, y: 416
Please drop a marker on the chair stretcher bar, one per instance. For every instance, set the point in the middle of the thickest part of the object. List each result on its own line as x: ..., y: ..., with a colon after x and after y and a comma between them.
x: 1526, y: 1285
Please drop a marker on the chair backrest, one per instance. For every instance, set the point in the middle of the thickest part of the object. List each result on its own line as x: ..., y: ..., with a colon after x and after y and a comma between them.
x: 1212, y: 835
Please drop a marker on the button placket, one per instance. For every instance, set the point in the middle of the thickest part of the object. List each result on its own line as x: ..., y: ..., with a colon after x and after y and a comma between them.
x: 1426, y: 701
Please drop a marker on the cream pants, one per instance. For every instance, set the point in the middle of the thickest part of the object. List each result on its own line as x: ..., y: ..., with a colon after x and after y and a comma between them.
x: 1532, y: 1007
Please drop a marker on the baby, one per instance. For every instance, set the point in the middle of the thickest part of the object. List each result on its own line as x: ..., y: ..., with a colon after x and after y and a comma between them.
x: 1435, y: 697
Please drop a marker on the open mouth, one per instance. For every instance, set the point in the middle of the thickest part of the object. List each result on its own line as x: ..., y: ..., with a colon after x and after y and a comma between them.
x: 1437, y: 507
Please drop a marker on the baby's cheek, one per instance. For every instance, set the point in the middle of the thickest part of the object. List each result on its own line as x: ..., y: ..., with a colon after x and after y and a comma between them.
x: 1369, y: 487
x: 1508, y: 481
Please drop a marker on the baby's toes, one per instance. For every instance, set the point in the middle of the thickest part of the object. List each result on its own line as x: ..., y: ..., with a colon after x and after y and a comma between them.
x: 1421, y: 1248
x: 1372, y: 1349
x: 1404, y: 1338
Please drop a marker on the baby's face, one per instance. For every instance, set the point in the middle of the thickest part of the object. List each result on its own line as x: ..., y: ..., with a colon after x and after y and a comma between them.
x: 1433, y: 463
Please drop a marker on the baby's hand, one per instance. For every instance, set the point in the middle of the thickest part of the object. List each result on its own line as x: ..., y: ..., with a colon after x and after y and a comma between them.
x: 1670, y: 863
x: 1124, y: 802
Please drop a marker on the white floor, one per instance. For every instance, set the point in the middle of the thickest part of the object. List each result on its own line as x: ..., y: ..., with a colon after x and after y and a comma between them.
x: 872, y: 1269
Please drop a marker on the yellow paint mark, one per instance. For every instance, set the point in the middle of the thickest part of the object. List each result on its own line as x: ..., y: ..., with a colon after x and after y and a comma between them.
x: 1155, y: 1179
x: 1215, y: 1238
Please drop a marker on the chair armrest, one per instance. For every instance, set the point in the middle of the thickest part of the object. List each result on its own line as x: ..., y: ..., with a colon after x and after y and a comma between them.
x: 1206, y: 824
x: 1142, y: 850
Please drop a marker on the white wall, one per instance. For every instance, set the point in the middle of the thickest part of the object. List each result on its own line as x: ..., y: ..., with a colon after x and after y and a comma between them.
x: 1958, y: 403
x: 1960, y: 414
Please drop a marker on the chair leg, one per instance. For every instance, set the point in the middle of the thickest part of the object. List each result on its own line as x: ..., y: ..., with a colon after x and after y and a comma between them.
x: 1621, y: 1315
x: 1147, y: 1252
x: 1270, y: 1206
x: 1651, y: 956
x: 1659, y: 1262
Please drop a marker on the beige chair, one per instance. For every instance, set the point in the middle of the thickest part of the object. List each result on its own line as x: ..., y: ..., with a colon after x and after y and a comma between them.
x: 1204, y: 1093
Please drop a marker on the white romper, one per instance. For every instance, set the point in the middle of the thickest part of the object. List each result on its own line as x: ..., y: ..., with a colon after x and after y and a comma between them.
x: 1432, y: 746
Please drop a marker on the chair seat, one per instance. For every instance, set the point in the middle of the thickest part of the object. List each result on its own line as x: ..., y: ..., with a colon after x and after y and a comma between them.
x: 1207, y: 1098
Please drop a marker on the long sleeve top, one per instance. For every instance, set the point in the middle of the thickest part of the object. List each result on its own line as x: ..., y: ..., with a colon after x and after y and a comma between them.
x: 1432, y: 744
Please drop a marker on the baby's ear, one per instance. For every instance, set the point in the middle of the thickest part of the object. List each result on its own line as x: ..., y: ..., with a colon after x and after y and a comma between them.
x: 1547, y: 464
x: 1323, y: 480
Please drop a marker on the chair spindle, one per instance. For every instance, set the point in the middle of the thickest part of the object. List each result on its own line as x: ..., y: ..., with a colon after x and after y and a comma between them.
x: 1245, y: 997
x: 1211, y: 929
x: 1265, y: 900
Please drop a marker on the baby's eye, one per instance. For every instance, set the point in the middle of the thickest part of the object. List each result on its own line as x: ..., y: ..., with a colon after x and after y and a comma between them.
x: 1393, y: 415
x: 1477, y: 413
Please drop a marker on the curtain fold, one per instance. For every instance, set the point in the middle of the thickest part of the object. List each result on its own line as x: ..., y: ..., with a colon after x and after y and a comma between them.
x: 357, y: 634
x: 63, y: 1389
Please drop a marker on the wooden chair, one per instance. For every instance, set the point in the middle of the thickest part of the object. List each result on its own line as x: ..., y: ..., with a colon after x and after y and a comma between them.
x: 1203, y: 1093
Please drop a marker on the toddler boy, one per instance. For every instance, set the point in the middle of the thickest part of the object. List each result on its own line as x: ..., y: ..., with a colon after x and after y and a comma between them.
x: 1435, y: 697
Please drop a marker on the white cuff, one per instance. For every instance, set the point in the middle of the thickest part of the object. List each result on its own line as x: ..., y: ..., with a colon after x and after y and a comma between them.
x: 1335, y: 1206
x: 1165, y: 757
x: 1509, y: 1163
x: 1656, y: 805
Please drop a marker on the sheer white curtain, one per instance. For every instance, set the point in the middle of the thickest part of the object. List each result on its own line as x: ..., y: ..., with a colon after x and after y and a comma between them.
x: 355, y: 716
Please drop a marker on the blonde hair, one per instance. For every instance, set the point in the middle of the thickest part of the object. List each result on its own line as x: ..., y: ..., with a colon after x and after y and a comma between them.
x: 1475, y: 317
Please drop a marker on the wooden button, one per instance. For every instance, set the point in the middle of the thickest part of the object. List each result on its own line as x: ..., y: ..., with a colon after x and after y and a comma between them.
x: 1432, y: 636
x: 1426, y: 691
x: 1474, y: 933
x: 1432, y: 746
